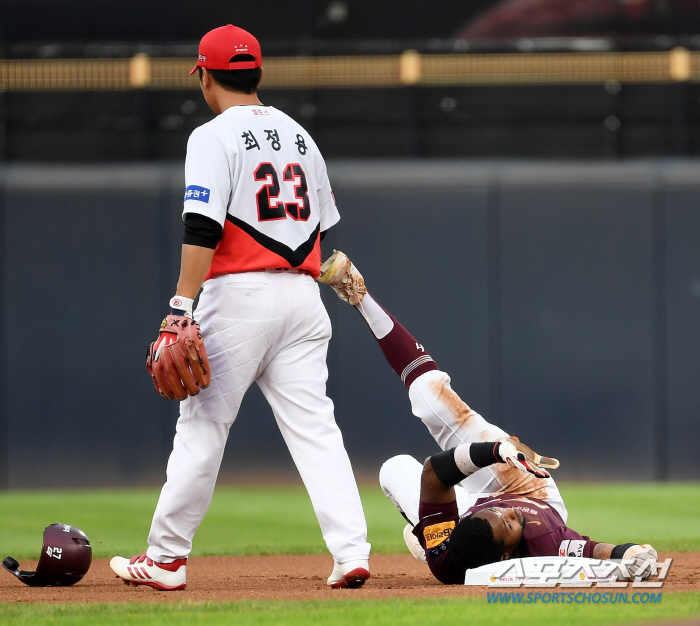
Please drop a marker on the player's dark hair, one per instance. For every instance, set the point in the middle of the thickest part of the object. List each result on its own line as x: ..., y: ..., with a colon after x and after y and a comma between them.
x: 242, y: 81
x: 472, y: 544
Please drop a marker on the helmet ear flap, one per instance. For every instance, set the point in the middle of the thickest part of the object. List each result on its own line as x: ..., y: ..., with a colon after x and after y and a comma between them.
x: 11, y: 565
x: 28, y: 578
x: 66, y: 556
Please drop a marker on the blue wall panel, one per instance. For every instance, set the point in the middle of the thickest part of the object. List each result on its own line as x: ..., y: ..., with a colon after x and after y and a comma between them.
x: 683, y: 329
x: 563, y: 300
x: 577, y: 323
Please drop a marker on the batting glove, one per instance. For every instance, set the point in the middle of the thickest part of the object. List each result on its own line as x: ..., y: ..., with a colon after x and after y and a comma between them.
x: 639, y: 562
x: 521, y: 457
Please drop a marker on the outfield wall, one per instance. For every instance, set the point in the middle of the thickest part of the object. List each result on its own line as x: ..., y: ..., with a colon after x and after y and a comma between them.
x: 562, y: 298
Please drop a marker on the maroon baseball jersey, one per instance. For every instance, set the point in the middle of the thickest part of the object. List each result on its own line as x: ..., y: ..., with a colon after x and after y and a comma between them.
x: 545, y: 533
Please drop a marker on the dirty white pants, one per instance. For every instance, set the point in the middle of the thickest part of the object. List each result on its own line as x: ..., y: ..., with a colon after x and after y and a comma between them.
x: 451, y: 422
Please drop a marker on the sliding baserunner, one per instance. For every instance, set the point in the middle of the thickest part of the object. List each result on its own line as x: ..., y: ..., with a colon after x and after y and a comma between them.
x: 486, y: 497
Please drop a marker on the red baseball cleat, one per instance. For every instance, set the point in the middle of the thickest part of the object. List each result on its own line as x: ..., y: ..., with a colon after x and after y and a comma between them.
x: 350, y: 575
x: 140, y: 570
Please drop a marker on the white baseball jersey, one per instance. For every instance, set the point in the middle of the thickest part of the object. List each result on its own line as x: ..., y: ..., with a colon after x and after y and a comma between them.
x: 259, y: 174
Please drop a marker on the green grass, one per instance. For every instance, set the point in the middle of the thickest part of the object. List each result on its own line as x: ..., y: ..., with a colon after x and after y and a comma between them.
x: 666, y: 515
x: 280, y: 520
x: 473, y: 611
x: 240, y: 520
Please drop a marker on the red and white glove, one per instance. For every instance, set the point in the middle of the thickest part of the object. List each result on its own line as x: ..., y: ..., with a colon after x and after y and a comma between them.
x: 520, y: 456
x: 638, y: 562
x: 177, y: 361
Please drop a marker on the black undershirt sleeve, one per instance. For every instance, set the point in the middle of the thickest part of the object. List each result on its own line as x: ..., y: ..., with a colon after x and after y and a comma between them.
x: 202, y: 231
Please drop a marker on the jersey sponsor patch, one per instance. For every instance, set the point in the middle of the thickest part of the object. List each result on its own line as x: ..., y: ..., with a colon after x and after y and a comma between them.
x: 261, y: 112
x: 195, y: 192
x: 437, y: 533
x: 572, y: 547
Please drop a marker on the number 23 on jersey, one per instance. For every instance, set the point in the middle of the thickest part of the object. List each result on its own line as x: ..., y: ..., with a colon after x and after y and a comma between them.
x: 268, y: 208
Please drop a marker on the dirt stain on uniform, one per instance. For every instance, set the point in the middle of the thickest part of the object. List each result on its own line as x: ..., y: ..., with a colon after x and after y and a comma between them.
x: 459, y: 409
x: 514, y: 481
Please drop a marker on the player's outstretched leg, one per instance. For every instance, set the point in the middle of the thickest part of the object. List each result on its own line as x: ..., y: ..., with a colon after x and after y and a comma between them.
x: 449, y: 420
x: 407, y: 357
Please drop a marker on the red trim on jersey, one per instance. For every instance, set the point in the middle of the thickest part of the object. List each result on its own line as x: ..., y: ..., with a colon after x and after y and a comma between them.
x: 237, y: 251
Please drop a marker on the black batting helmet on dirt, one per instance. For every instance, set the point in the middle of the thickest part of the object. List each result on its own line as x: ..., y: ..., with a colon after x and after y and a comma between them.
x: 65, y: 558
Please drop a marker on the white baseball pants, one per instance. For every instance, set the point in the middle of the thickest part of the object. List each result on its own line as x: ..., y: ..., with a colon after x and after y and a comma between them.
x: 451, y: 422
x: 270, y: 328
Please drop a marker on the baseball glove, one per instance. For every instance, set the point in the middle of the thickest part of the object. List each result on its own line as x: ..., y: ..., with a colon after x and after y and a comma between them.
x: 177, y: 361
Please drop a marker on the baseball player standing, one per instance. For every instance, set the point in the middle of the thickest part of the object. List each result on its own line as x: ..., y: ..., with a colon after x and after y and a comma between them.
x: 257, y: 203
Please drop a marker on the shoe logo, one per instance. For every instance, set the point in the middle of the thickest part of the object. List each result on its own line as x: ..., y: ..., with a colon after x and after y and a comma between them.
x: 138, y: 573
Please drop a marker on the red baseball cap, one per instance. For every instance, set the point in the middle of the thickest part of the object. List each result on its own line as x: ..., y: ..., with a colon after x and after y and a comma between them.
x: 218, y: 46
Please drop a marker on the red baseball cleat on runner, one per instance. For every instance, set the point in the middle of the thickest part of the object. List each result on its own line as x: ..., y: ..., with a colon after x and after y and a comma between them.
x: 140, y: 570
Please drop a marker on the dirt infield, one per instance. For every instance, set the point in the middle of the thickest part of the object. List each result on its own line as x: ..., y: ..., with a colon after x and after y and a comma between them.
x: 284, y: 578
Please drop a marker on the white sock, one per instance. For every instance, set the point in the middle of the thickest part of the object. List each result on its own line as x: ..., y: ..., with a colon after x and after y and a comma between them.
x: 376, y: 317
x: 463, y: 459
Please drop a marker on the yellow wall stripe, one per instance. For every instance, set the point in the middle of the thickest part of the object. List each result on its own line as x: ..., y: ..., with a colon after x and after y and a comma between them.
x: 409, y: 68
